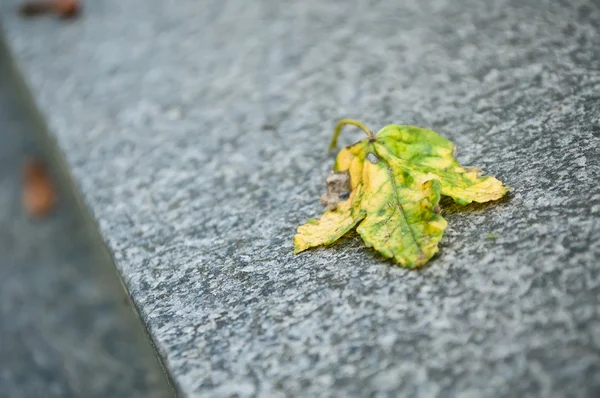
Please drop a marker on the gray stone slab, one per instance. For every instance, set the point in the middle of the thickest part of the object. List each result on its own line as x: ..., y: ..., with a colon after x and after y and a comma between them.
x: 196, y: 132
x: 67, y: 328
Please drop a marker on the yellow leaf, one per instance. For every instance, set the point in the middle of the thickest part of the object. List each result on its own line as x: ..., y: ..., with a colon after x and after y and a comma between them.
x: 389, y: 186
x: 332, y: 225
x: 400, y: 221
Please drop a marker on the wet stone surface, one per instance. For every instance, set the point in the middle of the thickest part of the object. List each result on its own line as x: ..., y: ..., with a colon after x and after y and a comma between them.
x: 197, y: 136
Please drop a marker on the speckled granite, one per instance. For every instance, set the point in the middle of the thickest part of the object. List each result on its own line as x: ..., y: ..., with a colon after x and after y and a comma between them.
x: 66, y: 326
x: 196, y: 132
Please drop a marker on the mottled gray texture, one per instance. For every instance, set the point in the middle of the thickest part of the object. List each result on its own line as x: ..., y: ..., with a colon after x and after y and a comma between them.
x: 66, y: 326
x: 196, y: 132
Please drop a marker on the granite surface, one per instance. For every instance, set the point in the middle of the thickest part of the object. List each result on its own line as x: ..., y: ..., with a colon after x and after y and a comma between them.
x: 196, y: 133
x: 67, y: 328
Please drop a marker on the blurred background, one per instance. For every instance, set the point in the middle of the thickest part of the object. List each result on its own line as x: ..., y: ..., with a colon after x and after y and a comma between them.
x: 513, y: 83
x: 67, y: 327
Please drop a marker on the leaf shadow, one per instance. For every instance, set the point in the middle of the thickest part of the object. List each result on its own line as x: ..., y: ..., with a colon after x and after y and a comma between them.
x: 449, y: 207
x: 353, y: 242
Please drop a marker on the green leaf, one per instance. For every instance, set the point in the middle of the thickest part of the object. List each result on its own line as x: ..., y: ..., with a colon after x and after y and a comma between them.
x: 389, y: 187
x: 430, y: 156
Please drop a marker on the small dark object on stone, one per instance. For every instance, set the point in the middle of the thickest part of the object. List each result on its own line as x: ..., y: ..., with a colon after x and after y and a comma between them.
x: 344, y: 195
x: 269, y: 127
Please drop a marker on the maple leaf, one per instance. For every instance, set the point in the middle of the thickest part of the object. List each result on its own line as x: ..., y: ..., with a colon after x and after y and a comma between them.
x: 388, y: 186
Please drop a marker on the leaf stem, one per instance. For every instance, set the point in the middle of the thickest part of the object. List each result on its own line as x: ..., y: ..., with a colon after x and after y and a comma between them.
x: 341, y: 124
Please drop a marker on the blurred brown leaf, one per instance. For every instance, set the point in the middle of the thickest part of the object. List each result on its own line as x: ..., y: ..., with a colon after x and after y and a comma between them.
x: 38, y: 194
x: 63, y: 8
x: 67, y: 8
x: 33, y: 8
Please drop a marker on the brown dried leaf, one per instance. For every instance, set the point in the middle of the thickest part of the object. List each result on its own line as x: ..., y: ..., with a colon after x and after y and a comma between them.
x: 38, y: 194
x: 67, y: 8
x: 34, y: 8
x: 62, y: 8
